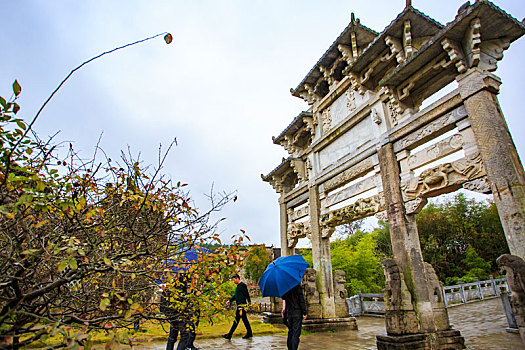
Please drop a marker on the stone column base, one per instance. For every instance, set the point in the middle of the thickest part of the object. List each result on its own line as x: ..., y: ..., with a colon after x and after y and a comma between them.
x: 329, y: 324
x: 449, y: 340
x: 272, y: 317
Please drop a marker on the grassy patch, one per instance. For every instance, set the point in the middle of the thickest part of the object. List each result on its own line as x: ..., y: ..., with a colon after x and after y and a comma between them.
x: 153, y: 331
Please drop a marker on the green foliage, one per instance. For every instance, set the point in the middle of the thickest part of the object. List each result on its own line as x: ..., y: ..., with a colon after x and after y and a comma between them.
x: 461, y: 237
x: 357, y: 255
x: 256, y: 262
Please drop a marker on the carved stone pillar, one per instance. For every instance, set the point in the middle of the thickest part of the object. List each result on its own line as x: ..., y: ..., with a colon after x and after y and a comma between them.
x: 412, y: 313
x: 478, y: 90
x: 285, y: 250
x: 321, y: 256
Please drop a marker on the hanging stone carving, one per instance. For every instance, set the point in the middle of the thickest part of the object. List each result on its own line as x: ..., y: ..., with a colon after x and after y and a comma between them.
x: 481, y: 185
x: 297, y: 230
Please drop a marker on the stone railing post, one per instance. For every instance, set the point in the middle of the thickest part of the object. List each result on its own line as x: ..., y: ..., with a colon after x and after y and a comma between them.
x: 360, y: 298
x: 493, y: 285
x: 444, y: 293
x: 480, y: 292
x: 462, y: 292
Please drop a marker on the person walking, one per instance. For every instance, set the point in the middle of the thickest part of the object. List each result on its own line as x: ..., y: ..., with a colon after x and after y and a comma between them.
x: 294, y: 312
x: 241, y: 298
x: 173, y: 316
x: 181, y: 314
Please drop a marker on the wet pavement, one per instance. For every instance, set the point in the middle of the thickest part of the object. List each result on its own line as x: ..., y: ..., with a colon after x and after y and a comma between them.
x: 482, y: 324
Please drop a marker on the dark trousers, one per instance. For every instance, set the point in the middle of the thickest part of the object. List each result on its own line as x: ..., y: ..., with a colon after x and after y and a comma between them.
x: 187, y: 335
x: 172, y: 337
x: 241, y: 313
x: 295, y: 323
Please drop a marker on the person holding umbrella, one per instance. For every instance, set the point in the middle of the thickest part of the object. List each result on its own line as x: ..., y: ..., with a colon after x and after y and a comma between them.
x: 241, y: 297
x: 294, y: 312
x: 282, y: 278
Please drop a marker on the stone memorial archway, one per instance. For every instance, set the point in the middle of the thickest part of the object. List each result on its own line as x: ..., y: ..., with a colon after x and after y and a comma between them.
x: 365, y: 148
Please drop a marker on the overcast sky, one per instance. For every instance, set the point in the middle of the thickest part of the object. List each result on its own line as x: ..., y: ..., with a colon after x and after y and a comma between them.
x: 221, y: 88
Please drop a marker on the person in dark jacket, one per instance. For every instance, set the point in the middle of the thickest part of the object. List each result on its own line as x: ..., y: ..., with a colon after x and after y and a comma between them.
x: 294, y: 312
x: 181, y: 314
x: 241, y: 298
x: 173, y: 316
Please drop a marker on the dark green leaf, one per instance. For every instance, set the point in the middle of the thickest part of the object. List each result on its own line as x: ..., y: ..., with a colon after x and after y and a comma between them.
x: 16, y: 88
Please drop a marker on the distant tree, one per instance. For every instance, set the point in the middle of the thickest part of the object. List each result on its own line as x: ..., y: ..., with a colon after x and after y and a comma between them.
x: 346, y: 230
x: 447, y: 230
x: 475, y: 265
x: 358, y: 256
x: 256, y: 262
x: 382, y: 236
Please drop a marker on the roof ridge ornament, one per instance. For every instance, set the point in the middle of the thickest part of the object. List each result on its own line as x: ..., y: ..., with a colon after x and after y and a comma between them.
x: 408, y: 3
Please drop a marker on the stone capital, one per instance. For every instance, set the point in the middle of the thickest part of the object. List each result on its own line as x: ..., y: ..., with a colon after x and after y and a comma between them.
x: 475, y: 80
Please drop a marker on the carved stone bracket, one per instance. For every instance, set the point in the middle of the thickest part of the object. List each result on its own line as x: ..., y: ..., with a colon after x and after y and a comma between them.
x: 473, y: 42
x: 455, y: 53
x: 415, y: 206
x: 393, y: 104
x: 396, y: 48
x: 407, y: 39
x: 299, y: 167
x: 382, y: 215
x: 282, y: 182
x: 310, y: 123
x: 346, y: 52
x: 297, y: 230
x: 328, y: 73
x: 492, y: 52
x: 326, y: 231
x: 356, y: 84
x: 309, y: 94
x: 481, y: 185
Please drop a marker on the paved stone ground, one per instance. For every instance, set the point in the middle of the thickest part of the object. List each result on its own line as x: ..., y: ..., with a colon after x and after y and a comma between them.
x: 482, y: 324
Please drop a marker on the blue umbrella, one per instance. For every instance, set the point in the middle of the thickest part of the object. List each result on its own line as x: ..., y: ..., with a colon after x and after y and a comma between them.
x: 187, y: 256
x: 282, y: 275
